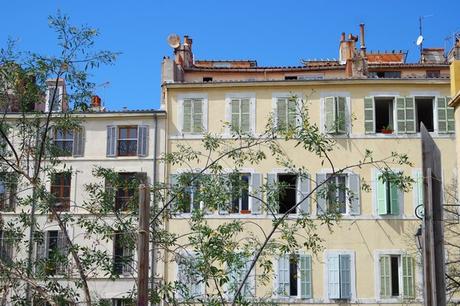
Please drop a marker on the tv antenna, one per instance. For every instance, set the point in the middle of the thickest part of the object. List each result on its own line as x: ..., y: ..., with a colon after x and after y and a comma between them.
x: 420, y: 34
x: 173, y: 40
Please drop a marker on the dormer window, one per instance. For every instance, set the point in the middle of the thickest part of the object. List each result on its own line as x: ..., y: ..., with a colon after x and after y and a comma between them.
x: 54, y: 98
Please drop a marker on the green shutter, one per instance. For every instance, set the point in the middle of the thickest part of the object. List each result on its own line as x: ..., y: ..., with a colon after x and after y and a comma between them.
x: 292, y: 112
x: 385, y: 277
x: 281, y: 113
x: 187, y: 119
x: 381, y: 197
x: 408, y: 277
x: 341, y: 115
x: 394, y: 199
x: 197, y: 115
x: 442, y: 115
x: 369, y: 125
x: 305, y: 276
x: 235, y: 104
x: 410, y: 115
x: 245, y: 116
x: 401, y: 114
x: 419, y: 187
x: 329, y: 114
x: 450, y: 117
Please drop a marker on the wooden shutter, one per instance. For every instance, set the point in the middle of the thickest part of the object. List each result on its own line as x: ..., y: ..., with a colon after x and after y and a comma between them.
x: 197, y: 115
x: 235, y: 106
x: 446, y: 120
x: 369, y: 113
x: 385, y: 276
x: 345, y: 276
x: 187, y: 116
x: 408, y: 277
x: 281, y: 113
x: 329, y: 114
x: 78, y: 142
x: 283, y: 276
x: 410, y: 115
x: 450, y: 117
x: 111, y: 141
x: 355, y: 203
x: 382, y: 208
x: 333, y: 276
x: 321, y: 201
x: 255, y: 201
x: 292, y: 112
x: 245, y: 116
x: 142, y: 140
x: 272, y: 179
x: 305, y: 276
x: 401, y: 114
x: 303, y: 189
x: 395, y: 199
x: 418, y: 188
x: 341, y: 118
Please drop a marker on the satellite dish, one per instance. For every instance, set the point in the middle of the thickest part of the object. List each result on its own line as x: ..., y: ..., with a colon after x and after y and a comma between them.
x: 173, y: 40
x: 419, y: 40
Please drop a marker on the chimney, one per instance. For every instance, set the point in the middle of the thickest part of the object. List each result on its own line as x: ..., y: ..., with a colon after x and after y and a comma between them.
x: 362, y: 41
x: 96, y: 104
x: 184, y: 54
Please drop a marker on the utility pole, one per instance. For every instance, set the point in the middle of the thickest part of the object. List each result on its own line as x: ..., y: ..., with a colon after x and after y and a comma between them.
x: 143, y: 246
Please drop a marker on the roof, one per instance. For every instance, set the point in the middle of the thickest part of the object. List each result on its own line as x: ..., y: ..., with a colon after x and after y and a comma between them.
x: 225, y: 63
x: 386, y: 58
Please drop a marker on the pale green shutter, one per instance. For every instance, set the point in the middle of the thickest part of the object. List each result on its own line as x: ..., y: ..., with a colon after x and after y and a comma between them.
x: 321, y: 201
x: 369, y: 125
x: 381, y: 197
x: 272, y: 188
x: 329, y: 114
x: 256, y: 199
x: 450, y: 117
x: 401, y: 114
x: 235, y: 105
x: 355, y: 207
x: 341, y: 115
x: 305, y: 276
x: 442, y: 115
x: 292, y: 112
x: 197, y: 115
x: 142, y: 140
x: 410, y: 115
x: 408, y: 277
x: 419, y: 187
x: 385, y: 277
x: 281, y: 113
x: 395, y: 197
x: 187, y: 116
x: 245, y: 115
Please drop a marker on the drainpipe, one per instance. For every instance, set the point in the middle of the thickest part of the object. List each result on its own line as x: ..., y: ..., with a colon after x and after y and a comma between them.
x: 153, y: 268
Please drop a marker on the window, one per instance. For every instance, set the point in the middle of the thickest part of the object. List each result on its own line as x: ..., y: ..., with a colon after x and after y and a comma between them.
x: 288, y: 190
x: 127, y: 140
x: 241, y: 115
x: 6, y: 247
x: 193, y: 116
x: 294, y: 276
x: 240, y: 193
x: 68, y: 142
x: 290, y: 77
x: 389, y: 197
x: 186, y: 189
x: 237, y: 269
x: 190, y: 284
x: 340, y: 195
x: 55, y: 105
x: 396, y: 276
x: 207, y: 79
x: 8, y: 188
x: 335, y: 113
x: 60, y: 190
x: 52, y: 253
x: 286, y: 112
x: 385, y: 74
x: 433, y: 74
x: 339, y: 275
x: 124, y: 189
x: 424, y: 113
x: 123, y: 254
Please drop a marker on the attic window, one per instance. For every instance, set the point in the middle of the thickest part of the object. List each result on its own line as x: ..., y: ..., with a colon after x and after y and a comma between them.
x: 385, y: 74
x: 290, y: 77
x: 207, y: 79
x: 433, y: 74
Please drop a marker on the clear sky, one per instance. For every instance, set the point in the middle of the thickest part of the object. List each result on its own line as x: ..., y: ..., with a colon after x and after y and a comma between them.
x: 271, y: 32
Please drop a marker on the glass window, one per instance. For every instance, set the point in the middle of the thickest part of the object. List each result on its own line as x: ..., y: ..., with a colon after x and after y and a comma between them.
x: 60, y: 189
x: 127, y: 140
x: 63, y: 142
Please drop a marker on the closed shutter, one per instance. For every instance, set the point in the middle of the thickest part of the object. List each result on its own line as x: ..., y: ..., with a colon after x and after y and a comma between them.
x: 235, y: 106
x: 281, y: 113
x: 305, y: 276
x: 142, y: 140
x: 401, y: 114
x: 329, y: 114
x: 197, y: 116
x: 408, y: 277
x: 245, y: 116
x: 292, y: 112
x: 369, y: 124
x: 382, y: 207
x: 410, y: 115
x: 355, y: 203
x: 333, y: 276
x: 78, y: 142
x: 385, y: 277
x: 341, y: 119
x: 255, y: 201
x: 187, y: 116
x: 111, y: 141
x: 395, y: 199
x: 303, y: 189
x: 321, y: 201
x: 345, y: 276
x: 283, y: 276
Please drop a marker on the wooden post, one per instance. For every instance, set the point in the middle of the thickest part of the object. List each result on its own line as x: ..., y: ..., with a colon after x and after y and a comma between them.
x: 143, y: 246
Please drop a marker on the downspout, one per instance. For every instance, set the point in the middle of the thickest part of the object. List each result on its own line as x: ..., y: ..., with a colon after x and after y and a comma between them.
x: 153, y: 268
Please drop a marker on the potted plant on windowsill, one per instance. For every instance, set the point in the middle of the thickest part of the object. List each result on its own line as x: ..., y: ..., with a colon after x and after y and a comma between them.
x: 387, y: 130
x: 245, y: 211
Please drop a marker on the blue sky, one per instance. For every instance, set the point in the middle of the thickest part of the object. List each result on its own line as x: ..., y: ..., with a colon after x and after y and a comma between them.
x: 271, y: 32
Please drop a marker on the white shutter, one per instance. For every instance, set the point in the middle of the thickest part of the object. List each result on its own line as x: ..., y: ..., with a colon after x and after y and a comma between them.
x: 142, y: 140
x: 78, y: 142
x: 303, y: 189
x: 333, y: 276
x: 321, y: 201
x: 329, y: 114
x: 255, y: 201
x: 305, y: 276
x: 283, y: 276
x: 355, y: 205
x: 111, y: 141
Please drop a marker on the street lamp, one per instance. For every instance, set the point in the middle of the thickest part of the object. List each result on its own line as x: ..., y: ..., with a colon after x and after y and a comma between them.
x: 418, y: 238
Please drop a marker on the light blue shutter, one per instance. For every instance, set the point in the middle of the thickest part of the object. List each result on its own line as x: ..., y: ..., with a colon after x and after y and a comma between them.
x: 305, y: 276
x: 256, y: 182
x: 281, y: 113
x: 187, y: 116
x: 410, y: 115
x: 333, y: 276
x: 78, y: 142
x: 303, y: 189
x: 321, y: 201
x: 381, y: 191
x: 395, y: 199
x: 283, y: 276
x: 329, y: 114
x: 400, y: 114
x: 341, y: 119
x: 111, y: 141
x: 355, y: 203
x: 142, y: 140
x: 369, y: 125
x: 345, y: 276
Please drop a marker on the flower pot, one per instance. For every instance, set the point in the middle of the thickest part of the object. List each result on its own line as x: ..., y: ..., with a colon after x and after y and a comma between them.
x: 245, y: 211
x: 387, y: 131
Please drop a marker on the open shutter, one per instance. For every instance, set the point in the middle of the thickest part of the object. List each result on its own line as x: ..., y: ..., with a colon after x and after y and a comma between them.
x: 418, y: 188
x: 395, y: 199
x: 255, y: 201
x: 41, y: 253
x: 111, y: 141
x: 385, y: 277
x: 283, y: 275
x: 400, y: 114
x: 281, y: 113
x: 321, y: 201
x: 408, y: 277
x: 333, y: 276
x: 369, y: 124
x: 410, y: 115
x: 329, y: 114
x: 63, y: 248
x: 142, y: 140
x: 272, y: 188
x: 187, y: 116
x: 245, y: 116
x: 446, y: 121
x: 341, y: 119
x: 78, y: 142
x: 355, y: 203
x: 345, y: 276
x: 382, y: 208
x: 197, y: 116
x: 303, y: 189
x: 450, y: 117
x: 305, y: 276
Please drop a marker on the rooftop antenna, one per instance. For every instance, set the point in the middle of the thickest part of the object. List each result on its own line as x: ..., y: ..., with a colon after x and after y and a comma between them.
x: 420, y: 36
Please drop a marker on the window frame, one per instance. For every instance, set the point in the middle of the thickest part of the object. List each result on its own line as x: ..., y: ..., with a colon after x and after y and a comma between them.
x: 252, y: 110
x: 63, y: 141
x: 241, y: 192
x: 338, y: 252
x: 120, y: 140
x: 58, y: 268
x: 286, y: 95
x: 346, y: 176
x: 180, y: 113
